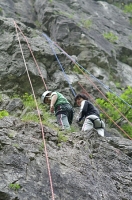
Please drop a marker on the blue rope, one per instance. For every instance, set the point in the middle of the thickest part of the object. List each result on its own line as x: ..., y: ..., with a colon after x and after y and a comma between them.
x: 66, y: 77
x: 105, y: 86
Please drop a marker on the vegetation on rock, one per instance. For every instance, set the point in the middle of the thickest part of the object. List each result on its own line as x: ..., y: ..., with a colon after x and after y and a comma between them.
x: 121, y: 106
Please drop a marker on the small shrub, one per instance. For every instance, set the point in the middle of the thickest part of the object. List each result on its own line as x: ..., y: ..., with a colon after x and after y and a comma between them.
x: 28, y: 101
x: 128, y: 8
x: 87, y: 23
x: 16, y: 145
x: 75, y: 69
x: 14, y: 186
x: 74, y: 129
x: 62, y: 137
x: 3, y: 113
x: 90, y: 156
x: 30, y: 117
x: 118, y: 85
x: 121, y: 106
x: 11, y: 135
x: 70, y: 16
x: 37, y: 23
x: 15, y: 96
x: 110, y: 36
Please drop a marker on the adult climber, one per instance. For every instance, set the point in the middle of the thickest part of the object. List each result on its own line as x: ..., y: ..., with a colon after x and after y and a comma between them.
x: 60, y: 106
x: 90, y: 114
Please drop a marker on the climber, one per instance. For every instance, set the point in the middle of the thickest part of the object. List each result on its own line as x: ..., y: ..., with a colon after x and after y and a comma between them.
x: 90, y: 114
x: 62, y: 108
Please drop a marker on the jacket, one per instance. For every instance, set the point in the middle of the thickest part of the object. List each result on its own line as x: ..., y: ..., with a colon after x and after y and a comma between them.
x: 86, y: 109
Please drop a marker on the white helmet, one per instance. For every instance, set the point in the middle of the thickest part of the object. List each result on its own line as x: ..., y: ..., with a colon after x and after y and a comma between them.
x: 44, y: 95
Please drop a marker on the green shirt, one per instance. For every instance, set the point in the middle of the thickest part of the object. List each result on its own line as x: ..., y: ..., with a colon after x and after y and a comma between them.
x: 60, y: 99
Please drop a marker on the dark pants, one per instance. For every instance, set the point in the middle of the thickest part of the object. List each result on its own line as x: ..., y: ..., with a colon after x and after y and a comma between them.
x: 64, y: 114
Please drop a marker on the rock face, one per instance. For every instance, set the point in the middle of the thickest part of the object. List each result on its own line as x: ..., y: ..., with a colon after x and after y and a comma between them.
x: 21, y: 10
x: 85, y: 167
x: 118, y: 2
x: 98, y: 36
x: 79, y: 28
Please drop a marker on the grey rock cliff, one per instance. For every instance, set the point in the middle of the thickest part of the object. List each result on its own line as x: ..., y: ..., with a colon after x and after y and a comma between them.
x: 86, y: 166
x: 79, y: 32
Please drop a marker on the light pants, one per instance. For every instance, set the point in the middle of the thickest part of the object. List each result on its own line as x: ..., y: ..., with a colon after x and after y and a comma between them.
x: 62, y: 121
x: 88, y: 125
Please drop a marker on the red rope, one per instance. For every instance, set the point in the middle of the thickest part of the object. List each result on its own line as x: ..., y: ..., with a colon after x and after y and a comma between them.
x: 99, y: 91
x: 93, y: 84
x: 45, y: 148
x: 105, y: 112
x: 106, y: 97
x: 32, y: 55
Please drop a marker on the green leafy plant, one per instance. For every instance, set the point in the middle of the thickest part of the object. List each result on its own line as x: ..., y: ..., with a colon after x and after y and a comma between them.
x: 70, y: 16
x: 90, y: 156
x: 28, y: 101
x: 14, y: 186
x: 3, y: 113
x: 87, y: 23
x: 30, y: 117
x: 74, y: 129
x: 128, y: 8
x: 75, y: 69
x: 11, y: 135
x: 121, y: 106
x: 110, y: 36
x: 50, y: 1
x: 15, y: 145
x: 15, y: 96
x: 118, y: 85
x: 62, y: 137
x: 38, y: 24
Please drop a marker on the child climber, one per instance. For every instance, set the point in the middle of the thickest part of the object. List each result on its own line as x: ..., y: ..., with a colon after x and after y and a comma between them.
x: 90, y: 113
x: 60, y: 105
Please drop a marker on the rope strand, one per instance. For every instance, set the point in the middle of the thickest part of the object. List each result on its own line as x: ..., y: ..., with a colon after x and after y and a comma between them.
x: 78, y: 66
x: 32, y: 56
x: 66, y: 77
x: 45, y: 148
x: 105, y: 86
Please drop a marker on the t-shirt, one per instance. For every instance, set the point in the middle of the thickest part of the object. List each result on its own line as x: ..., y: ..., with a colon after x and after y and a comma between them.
x: 60, y: 99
